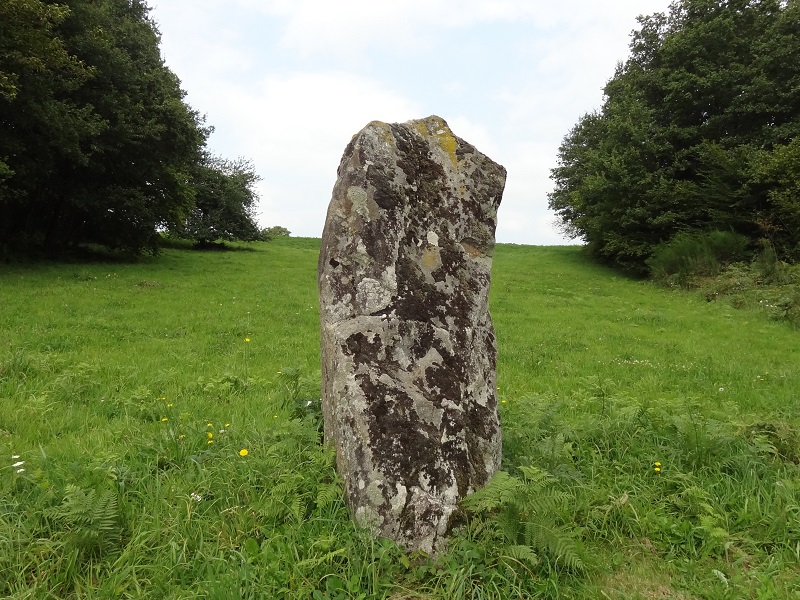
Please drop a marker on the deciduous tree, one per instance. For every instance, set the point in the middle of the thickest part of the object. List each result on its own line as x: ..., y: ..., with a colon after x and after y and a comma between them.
x: 709, y: 90
x: 96, y: 141
x: 224, y: 202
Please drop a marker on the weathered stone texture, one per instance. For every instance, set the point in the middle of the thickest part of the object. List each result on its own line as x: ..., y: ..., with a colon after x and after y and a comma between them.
x: 408, y: 347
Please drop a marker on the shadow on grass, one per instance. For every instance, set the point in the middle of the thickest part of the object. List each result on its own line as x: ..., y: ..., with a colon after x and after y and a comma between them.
x: 79, y: 254
x: 99, y: 254
x: 175, y: 243
x: 221, y: 247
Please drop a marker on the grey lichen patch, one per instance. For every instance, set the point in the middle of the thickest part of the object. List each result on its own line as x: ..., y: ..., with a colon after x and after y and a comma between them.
x: 408, y: 347
x: 357, y: 200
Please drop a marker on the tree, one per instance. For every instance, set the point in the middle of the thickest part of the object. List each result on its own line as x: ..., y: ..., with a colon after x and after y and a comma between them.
x: 275, y: 231
x: 708, y: 89
x: 779, y: 172
x: 40, y: 126
x: 96, y: 140
x: 224, y: 202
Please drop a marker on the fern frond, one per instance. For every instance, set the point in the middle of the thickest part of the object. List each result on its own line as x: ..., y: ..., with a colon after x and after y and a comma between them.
x: 507, y: 522
x: 298, y: 508
x: 522, y: 553
x: 310, y: 563
x: 91, y: 519
x: 270, y: 509
x: 556, y: 541
x: 501, y: 489
x: 327, y: 494
x: 544, y: 501
x: 535, y: 477
x: 284, y: 489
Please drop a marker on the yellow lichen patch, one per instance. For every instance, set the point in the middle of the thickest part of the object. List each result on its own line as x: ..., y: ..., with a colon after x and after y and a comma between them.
x: 384, y: 131
x: 448, y: 143
x: 438, y: 130
x: 472, y: 251
x: 422, y: 128
x: 431, y: 259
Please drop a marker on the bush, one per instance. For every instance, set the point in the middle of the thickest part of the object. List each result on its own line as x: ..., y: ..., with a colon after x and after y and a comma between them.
x: 269, y: 233
x: 689, y: 255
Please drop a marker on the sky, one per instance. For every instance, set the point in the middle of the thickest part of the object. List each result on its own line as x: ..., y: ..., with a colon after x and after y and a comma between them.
x: 287, y: 83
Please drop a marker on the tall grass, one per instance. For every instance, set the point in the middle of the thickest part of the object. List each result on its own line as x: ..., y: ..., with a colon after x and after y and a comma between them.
x: 689, y: 255
x: 651, y: 441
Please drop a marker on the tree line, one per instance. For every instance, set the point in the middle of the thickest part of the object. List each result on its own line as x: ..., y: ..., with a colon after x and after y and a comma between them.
x: 97, y: 142
x: 698, y: 133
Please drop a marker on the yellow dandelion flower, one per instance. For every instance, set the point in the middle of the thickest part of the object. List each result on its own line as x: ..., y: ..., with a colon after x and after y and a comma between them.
x: 502, y: 401
x: 210, y: 441
x: 657, y: 469
x: 164, y: 420
x: 169, y: 405
x: 274, y: 416
x: 243, y: 452
x: 227, y: 425
x: 210, y: 435
x: 657, y: 464
x: 247, y: 340
x: 209, y: 424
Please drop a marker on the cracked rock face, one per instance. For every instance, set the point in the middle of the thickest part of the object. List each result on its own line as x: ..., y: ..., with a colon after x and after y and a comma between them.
x: 408, y: 348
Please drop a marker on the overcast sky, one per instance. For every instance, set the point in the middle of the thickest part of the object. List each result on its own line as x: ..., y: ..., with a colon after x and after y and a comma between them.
x: 287, y: 83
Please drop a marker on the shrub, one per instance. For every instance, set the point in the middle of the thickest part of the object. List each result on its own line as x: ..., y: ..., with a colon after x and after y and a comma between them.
x: 689, y: 255
x: 269, y: 233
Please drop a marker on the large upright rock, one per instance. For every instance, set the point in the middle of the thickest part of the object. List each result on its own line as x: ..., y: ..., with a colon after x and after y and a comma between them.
x: 408, y: 347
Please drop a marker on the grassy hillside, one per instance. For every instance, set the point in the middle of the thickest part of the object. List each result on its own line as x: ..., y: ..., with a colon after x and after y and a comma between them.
x: 159, y: 422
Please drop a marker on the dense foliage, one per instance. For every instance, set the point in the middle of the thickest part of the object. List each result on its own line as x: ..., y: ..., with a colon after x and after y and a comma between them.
x: 274, y: 231
x: 224, y: 204
x: 96, y: 141
x: 698, y: 132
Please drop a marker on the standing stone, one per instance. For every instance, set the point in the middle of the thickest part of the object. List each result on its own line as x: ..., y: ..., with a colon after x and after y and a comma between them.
x: 408, y: 347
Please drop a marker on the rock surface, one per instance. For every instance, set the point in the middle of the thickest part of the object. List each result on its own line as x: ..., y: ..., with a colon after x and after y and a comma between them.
x: 408, y: 347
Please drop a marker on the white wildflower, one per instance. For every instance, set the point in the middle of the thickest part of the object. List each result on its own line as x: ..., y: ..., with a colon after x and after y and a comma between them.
x: 19, y: 463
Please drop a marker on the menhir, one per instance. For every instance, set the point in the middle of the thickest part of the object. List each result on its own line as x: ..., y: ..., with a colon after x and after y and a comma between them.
x: 408, y: 347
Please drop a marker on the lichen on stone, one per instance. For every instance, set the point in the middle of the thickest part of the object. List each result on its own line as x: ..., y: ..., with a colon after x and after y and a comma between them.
x: 408, y: 347
x: 436, y: 129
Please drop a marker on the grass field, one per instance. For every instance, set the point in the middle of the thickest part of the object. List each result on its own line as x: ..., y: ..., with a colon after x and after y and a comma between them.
x: 159, y: 438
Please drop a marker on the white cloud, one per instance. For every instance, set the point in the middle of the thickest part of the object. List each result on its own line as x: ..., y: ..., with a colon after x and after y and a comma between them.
x: 349, y: 26
x: 288, y: 82
x: 296, y: 129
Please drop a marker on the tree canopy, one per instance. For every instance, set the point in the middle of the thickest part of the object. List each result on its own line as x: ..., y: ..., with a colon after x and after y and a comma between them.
x: 97, y: 143
x: 698, y: 132
x: 224, y: 203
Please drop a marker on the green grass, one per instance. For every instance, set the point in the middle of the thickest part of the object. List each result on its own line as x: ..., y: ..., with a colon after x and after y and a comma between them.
x: 113, y: 375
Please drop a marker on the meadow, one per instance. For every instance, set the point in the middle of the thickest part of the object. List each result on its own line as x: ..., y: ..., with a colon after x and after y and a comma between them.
x: 160, y: 438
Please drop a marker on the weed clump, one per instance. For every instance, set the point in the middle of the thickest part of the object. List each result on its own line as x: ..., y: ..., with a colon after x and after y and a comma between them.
x: 714, y: 265
x: 689, y: 255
